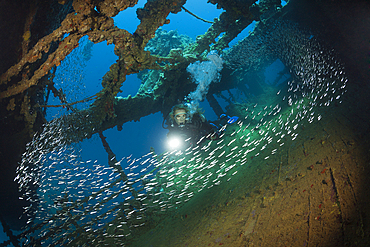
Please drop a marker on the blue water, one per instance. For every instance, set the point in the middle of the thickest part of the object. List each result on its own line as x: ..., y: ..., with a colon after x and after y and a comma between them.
x: 135, y: 138
x: 3, y: 236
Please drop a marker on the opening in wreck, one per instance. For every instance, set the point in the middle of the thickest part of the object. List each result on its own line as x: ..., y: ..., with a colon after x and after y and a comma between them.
x: 94, y: 96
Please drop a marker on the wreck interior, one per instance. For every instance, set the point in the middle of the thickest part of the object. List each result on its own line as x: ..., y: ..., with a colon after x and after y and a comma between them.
x: 292, y: 170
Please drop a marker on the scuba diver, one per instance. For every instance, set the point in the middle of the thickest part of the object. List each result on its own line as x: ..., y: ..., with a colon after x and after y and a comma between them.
x: 188, y: 130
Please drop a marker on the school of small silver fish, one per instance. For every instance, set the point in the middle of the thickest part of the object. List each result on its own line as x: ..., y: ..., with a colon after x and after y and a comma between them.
x: 75, y: 202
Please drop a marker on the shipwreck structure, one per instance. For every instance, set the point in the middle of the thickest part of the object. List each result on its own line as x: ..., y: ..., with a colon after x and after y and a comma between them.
x: 316, y: 183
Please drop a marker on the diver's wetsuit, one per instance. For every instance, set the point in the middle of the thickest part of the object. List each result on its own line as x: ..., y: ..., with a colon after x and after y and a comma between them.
x: 193, y: 130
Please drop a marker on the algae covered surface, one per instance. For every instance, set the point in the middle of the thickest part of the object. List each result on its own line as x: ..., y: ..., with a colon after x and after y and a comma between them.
x: 303, y: 196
